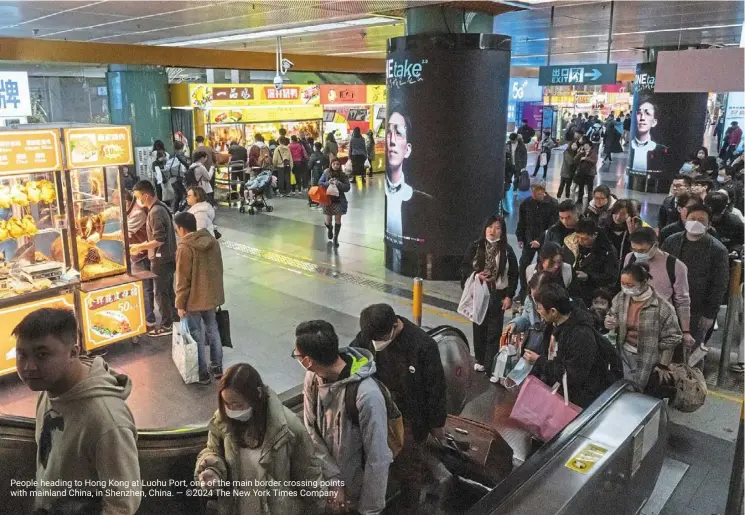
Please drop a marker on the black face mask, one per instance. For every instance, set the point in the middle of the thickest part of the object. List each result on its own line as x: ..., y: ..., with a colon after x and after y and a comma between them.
x: 620, y: 227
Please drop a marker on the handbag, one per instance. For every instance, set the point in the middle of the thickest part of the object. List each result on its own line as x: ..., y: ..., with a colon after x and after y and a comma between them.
x: 543, y: 413
x: 544, y: 159
x: 318, y: 195
x: 332, y: 190
x: 223, y: 327
x: 184, y: 352
x: 474, y: 302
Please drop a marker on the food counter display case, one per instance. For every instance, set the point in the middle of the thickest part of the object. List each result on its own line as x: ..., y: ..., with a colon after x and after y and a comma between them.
x: 63, y: 234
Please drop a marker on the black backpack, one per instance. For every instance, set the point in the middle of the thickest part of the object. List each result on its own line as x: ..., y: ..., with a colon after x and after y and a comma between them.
x: 610, y: 355
x: 190, y: 179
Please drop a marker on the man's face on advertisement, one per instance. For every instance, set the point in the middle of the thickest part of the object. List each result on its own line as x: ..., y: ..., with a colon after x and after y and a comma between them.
x: 398, y: 147
x: 646, y: 119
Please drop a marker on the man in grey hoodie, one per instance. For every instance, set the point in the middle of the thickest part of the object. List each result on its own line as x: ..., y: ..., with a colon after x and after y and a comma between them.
x: 356, y: 455
x: 84, y: 429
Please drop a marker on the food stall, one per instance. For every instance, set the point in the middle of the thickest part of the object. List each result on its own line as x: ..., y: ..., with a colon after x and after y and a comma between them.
x: 63, y: 234
x: 348, y: 106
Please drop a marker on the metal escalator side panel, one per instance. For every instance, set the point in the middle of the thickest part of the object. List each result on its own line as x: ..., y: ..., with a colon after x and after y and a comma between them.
x: 456, y: 363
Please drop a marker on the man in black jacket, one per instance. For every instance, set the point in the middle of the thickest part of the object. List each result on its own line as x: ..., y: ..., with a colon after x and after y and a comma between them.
x: 537, y: 214
x: 408, y: 363
x: 526, y: 131
x: 568, y: 219
x: 593, y: 259
x: 685, y: 201
x: 578, y: 353
x: 669, y: 213
x: 708, y: 268
x: 516, y: 160
x: 729, y: 226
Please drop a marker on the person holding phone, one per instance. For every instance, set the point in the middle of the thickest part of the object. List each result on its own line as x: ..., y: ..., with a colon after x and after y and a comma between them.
x: 624, y: 220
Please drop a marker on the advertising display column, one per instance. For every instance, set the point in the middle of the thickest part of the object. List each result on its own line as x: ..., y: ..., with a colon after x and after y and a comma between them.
x: 665, y: 127
x: 446, y: 114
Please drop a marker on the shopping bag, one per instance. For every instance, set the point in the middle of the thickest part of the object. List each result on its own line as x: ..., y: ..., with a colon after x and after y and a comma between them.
x: 318, y: 195
x: 541, y: 411
x: 475, y: 300
x: 332, y: 190
x: 223, y: 327
x: 544, y: 159
x: 184, y: 351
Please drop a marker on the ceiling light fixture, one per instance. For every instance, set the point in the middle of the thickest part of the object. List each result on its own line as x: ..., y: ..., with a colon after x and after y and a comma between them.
x: 303, y: 29
x: 681, y: 29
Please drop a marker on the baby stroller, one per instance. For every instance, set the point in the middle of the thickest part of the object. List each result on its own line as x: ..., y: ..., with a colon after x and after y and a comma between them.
x: 257, y: 191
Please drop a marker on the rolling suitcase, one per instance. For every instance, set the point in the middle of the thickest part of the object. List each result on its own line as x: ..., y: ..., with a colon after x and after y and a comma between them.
x: 474, y: 451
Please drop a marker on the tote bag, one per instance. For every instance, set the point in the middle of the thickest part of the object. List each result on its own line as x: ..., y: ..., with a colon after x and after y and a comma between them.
x: 541, y: 411
x: 475, y: 300
x: 184, y: 351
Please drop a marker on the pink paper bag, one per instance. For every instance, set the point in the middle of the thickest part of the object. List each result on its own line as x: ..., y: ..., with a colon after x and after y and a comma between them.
x: 542, y: 410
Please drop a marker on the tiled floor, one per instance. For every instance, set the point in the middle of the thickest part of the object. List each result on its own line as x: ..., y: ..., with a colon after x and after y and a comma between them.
x: 280, y: 270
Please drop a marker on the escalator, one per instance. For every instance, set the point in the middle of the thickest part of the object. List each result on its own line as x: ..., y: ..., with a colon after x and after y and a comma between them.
x: 626, y: 474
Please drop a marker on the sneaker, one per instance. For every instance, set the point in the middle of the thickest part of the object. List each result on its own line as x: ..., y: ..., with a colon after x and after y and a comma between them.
x: 494, y: 379
x: 161, y: 331
x: 216, y: 371
x: 738, y: 368
x: 478, y: 367
x: 204, y: 379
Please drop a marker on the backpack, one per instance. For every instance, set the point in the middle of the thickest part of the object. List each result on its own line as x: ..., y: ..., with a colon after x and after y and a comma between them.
x: 610, y: 355
x: 172, y: 169
x: 264, y: 153
x: 569, y: 134
x: 190, y: 179
x: 524, y: 181
x: 395, y: 420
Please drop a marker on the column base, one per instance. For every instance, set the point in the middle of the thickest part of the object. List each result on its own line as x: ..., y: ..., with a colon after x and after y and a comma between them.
x: 647, y: 183
x: 421, y: 264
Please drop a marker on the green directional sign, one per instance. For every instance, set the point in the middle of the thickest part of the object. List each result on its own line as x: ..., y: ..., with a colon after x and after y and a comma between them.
x: 570, y: 74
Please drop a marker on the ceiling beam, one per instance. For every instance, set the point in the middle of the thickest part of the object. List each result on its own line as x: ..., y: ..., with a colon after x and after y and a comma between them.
x: 39, y: 50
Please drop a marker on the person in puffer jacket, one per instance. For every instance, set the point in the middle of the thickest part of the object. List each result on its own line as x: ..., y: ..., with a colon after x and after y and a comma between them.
x: 355, y: 456
x: 202, y: 210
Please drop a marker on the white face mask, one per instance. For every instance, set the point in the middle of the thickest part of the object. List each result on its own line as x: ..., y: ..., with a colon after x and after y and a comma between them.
x: 721, y: 180
x: 492, y: 240
x: 300, y: 362
x: 695, y: 228
x: 632, y: 292
x: 240, y: 415
x: 382, y: 344
x: 521, y: 371
x: 140, y: 203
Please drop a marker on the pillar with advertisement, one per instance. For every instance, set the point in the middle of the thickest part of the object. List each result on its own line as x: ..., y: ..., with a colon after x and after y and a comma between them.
x: 665, y: 127
x: 447, y: 98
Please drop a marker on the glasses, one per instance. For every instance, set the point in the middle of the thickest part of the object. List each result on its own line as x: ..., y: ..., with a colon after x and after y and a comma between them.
x: 293, y: 355
x: 397, y: 131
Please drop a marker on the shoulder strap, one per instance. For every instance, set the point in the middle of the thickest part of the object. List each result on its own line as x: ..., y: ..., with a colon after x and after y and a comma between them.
x: 670, y: 265
x: 350, y: 402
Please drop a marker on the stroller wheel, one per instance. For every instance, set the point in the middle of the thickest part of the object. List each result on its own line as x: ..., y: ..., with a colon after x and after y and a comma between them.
x: 251, y: 211
x: 242, y: 210
x: 269, y: 209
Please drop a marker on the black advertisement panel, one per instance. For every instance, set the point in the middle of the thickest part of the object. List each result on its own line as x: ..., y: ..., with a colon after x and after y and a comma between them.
x: 665, y: 127
x: 445, y: 133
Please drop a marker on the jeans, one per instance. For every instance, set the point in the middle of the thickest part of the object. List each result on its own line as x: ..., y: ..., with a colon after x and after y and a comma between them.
x: 194, y: 322
x: 164, y: 294
x: 148, y: 291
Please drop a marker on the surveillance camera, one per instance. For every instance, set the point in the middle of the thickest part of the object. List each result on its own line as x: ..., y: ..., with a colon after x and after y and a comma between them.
x: 36, y: 31
x: 278, y: 82
x: 287, y: 65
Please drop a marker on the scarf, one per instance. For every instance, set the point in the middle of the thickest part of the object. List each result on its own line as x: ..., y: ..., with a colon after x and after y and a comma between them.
x: 491, y: 265
x: 644, y: 296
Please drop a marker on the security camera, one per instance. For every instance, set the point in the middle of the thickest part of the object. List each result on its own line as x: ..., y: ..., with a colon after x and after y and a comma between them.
x: 287, y: 65
x: 277, y: 82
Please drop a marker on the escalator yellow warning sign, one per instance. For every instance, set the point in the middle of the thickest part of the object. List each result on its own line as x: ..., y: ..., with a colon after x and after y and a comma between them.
x: 586, y: 458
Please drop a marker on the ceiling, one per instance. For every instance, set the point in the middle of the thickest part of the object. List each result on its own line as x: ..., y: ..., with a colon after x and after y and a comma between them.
x: 580, y: 29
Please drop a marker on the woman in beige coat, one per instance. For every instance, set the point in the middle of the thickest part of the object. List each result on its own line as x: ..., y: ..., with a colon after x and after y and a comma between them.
x: 254, y: 437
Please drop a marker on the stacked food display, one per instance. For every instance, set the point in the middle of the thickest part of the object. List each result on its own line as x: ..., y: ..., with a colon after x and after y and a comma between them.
x: 63, y: 232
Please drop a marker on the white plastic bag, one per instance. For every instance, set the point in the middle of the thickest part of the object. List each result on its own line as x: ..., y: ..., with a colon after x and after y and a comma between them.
x: 184, y: 353
x: 543, y: 159
x: 475, y: 300
x: 332, y: 190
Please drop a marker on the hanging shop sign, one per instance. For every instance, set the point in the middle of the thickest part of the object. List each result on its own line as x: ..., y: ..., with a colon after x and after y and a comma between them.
x: 207, y: 96
x: 113, y: 314
x: 12, y: 316
x: 98, y: 146
x: 342, y: 94
x: 29, y: 151
x: 566, y: 75
x: 15, y: 97
x: 265, y: 114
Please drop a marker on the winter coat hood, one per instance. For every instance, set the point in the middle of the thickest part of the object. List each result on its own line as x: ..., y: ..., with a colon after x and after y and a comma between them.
x: 101, y: 382
x: 200, y: 240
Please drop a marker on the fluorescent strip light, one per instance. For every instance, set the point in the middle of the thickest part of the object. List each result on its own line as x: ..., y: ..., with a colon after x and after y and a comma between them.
x: 304, y: 29
x: 576, y: 53
x: 681, y: 29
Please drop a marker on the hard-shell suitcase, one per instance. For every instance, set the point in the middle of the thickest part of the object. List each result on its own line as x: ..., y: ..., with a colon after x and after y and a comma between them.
x: 474, y: 451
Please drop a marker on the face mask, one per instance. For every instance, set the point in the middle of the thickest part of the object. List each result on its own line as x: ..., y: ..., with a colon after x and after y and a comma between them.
x: 140, y: 203
x: 240, y: 416
x: 632, y: 292
x: 382, y: 344
x: 492, y: 240
x: 520, y: 372
x: 641, y: 257
x: 721, y: 180
x: 695, y: 228
x: 300, y: 361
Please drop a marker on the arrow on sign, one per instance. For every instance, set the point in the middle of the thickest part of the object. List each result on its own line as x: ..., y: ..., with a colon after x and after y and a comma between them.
x: 595, y: 74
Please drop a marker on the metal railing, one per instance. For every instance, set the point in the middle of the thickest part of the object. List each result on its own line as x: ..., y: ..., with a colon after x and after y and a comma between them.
x: 734, y: 305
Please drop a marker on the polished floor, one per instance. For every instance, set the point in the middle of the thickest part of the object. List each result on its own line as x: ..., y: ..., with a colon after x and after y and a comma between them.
x: 280, y: 270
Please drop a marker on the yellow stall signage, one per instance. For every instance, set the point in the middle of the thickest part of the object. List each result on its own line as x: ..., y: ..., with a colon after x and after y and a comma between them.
x: 29, y: 151
x: 98, y: 146
x: 113, y: 314
x: 586, y: 458
x: 12, y: 316
x: 376, y: 94
x: 206, y: 96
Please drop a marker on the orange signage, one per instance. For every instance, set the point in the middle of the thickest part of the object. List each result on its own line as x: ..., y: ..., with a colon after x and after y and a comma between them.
x: 340, y: 94
x: 87, y: 147
x: 12, y: 316
x: 112, y: 314
x: 29, y: 151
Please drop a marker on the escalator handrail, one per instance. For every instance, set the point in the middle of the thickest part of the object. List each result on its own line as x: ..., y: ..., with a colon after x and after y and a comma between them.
x: 448, y: 328
x: 532, y: 466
